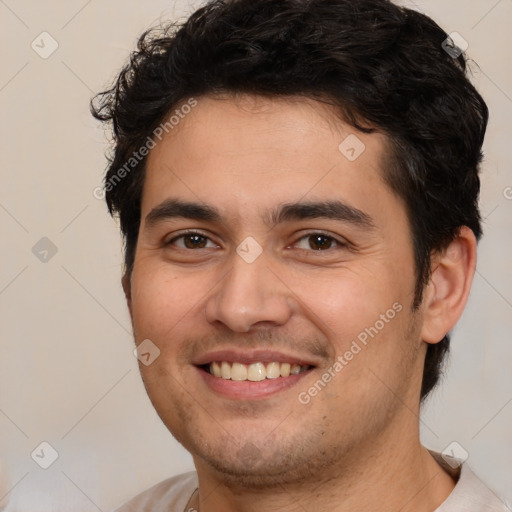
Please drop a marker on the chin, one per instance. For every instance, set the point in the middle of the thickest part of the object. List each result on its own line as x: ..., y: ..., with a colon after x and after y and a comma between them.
x: 265, y: 463
x: 258, y: 475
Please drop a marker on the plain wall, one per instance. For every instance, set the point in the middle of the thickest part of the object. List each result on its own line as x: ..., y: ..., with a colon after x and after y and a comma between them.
x: 67, y: 372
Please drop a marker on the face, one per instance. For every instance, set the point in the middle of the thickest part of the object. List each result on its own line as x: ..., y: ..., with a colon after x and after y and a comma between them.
x: 274, y: 272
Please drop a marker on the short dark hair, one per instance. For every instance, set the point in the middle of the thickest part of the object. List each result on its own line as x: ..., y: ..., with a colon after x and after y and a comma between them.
x: 383, y: 67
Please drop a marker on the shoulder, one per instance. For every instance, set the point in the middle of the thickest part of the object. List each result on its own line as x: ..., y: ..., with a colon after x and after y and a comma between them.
x: 168, y: 496
x: 470, y: 493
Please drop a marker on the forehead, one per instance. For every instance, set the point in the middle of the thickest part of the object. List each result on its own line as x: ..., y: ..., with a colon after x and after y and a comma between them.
x: 252, y: 151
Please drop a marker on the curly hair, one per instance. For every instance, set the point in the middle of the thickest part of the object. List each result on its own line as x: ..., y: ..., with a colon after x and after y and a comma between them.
x: 382, y: 67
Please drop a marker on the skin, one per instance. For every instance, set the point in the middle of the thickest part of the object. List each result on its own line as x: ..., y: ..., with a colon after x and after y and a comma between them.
x: 355, y: 445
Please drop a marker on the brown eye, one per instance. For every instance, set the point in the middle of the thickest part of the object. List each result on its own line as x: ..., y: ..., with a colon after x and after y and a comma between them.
x: 320, y: 242
x: 194, y: 241
x: 191, y: 241
x: 317, y: 242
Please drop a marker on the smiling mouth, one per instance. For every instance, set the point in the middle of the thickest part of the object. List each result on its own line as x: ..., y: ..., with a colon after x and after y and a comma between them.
x: 254, y: 372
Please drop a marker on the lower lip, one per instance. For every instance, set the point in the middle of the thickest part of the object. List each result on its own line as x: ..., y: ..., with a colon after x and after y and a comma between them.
x: 246, y: 389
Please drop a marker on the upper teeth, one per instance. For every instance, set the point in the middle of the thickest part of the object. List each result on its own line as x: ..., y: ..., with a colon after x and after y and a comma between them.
x: 255, y: 371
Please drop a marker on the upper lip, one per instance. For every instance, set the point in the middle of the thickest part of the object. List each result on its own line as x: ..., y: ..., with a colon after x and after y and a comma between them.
x: 252, y: 356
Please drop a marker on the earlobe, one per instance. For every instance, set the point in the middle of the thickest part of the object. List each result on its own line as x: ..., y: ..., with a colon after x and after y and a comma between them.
x: 449, y: 286
x: 127, y: 288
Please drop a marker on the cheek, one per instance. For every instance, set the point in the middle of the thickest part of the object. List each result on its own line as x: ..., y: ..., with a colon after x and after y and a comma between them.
x: 342, y: 305
x: 159, y: 300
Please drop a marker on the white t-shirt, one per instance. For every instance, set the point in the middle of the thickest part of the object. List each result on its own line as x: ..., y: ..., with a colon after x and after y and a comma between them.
x: 173, y: 495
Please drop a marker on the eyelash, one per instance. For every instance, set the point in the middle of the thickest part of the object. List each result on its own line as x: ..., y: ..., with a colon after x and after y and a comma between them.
x: 339, y: 243
x: 184, y: 234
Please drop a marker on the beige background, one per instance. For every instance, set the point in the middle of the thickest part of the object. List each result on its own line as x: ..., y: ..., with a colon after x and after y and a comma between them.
x: 67, y: 373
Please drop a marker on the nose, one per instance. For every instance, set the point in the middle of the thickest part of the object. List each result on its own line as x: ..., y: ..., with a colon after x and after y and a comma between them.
x: 250, y: 295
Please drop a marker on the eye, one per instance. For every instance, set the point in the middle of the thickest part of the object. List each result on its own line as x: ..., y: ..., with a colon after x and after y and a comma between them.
x: 191, y: 240
x: 318, y: 242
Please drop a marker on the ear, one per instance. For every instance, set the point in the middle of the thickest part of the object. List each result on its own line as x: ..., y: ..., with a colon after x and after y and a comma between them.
x: 448, y: 289
x: 127, y: 287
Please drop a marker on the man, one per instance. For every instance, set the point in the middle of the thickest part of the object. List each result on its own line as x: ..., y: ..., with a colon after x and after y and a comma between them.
x: 297, y: 184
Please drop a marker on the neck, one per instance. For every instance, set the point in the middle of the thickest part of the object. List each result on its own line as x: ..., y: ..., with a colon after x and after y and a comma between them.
x: 388, y: 476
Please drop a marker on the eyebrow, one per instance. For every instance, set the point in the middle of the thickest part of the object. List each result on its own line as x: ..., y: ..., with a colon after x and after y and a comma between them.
x: 337, y: 210
x: 172, y: 208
